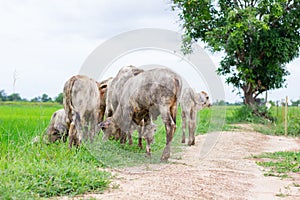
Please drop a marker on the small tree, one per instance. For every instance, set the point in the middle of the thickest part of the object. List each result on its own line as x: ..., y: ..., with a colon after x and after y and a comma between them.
x: 36, y: 99
x: 258, y: 38
x: 3, y: 96
x: 14, y: 97
x: 45, y: 98
x: 296, y: 103
x: 59, y: 98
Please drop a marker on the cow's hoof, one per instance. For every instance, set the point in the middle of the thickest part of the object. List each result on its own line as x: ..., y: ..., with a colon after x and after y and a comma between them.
x: 140, y: 146
x: 164, y: 159
x: 148, y: 155
x: 190, y: 143
x: 183, y: 140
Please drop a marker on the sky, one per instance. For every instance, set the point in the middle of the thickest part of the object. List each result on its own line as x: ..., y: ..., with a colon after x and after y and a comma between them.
x: 43, y: 43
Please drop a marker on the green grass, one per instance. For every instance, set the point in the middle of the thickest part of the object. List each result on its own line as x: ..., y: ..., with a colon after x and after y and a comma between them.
x: 32, y: 171
x: 280, y: 163
x: 243, y: 114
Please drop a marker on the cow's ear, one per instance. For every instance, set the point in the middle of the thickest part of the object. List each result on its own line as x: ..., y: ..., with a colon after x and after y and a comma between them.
x: 204, y: 93
x: 103, y: 88
x: 137, y: 71
x: 104, y: 124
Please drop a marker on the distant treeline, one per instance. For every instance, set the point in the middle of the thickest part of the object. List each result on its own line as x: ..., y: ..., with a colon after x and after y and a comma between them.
x: 261, y: 102
x: 59, y: 99
x: 42, y: 98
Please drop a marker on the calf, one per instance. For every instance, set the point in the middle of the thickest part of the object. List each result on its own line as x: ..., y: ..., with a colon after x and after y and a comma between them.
x: 191, y: 102
x: 149, y: 94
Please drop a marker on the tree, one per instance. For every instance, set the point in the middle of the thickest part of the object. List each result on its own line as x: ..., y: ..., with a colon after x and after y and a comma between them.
x: 14, y: 97
x: 45, y: 98
x: 36, y: 99
x: 296, y: 103
x: 258, y: 37
x: 3, y: 96
x: 59, y: 98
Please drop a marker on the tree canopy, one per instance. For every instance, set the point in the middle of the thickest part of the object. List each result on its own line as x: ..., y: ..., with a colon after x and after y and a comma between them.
x: 258, y: 37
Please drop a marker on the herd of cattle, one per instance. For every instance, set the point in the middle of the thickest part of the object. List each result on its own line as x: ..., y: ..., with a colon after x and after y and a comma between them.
x: 129, y: 101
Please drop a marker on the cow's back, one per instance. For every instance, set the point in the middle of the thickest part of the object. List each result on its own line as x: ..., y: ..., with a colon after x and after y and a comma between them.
x: 116, y: 86
x: 82, y: 106
x: 149, y: 92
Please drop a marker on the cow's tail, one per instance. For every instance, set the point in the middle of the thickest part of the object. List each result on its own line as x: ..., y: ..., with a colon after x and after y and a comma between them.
x: 177, y: 92
x: 67, y: 98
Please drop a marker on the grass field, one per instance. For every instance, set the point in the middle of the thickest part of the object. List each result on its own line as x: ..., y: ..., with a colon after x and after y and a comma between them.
x: 35, y: 170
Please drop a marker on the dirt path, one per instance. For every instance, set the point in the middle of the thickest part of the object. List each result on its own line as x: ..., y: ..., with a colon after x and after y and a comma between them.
x: 227, y: 172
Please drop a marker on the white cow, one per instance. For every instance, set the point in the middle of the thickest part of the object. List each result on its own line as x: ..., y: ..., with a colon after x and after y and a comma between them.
x: 191, y: 102
x: 82, y: 105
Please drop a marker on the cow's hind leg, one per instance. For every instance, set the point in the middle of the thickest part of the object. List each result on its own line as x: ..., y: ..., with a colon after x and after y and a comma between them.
x: 74, y: 130
x: 192, y: 127
x: 169, y: 119
x: 73, y: 140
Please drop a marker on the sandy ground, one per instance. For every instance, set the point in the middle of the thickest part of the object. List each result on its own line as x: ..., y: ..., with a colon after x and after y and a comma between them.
x: 226, y: 172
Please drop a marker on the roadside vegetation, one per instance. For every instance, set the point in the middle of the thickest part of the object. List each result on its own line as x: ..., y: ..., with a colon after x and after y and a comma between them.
x: 31, y: 170
x: 279, y: 164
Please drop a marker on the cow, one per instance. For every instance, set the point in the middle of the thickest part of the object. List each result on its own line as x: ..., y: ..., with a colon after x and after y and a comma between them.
x: 82, y: 106
x: 57, y: 128
x: 103, y: 89
x: 145, y: 96
x: 191, y: 102
x: 115, y: 87
x: 113, y: 97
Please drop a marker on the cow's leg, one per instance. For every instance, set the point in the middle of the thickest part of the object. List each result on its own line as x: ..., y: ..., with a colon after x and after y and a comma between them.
x: 72, y: 135
x: 123, y: 137
x: 170, y: 127
x: 129, y: 135
x: 183, y: 125
x: 140, y: 131
x: 192, y: 127
x: 148, y: 147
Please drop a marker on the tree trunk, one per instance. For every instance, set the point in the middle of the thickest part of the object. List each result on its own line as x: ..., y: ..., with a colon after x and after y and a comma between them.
x: 248, y: 98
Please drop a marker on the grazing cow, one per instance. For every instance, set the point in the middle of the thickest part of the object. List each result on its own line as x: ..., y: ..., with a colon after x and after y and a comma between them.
x: 149, y: 94
x: 113, y: 97
x: 57, y: 128
x: 116, y: 86
x: 103, y: 89
x: 82, y: 106
x: 191, y: 102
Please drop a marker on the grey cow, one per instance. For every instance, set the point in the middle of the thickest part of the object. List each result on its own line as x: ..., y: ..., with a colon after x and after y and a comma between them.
x: 113, y: 97
x: 149, y: 94
x: 103, y: 90
x: 191, y: 102
x: 82, y: 105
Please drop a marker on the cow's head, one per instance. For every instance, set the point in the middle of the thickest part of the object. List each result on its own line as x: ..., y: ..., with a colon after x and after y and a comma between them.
x: 52, y: 135
x: 204, y: 99
x: 148, y: 132
x: 109, y: 128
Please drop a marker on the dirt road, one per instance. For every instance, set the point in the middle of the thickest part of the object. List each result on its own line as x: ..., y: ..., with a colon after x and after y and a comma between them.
x: 227, y: 172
